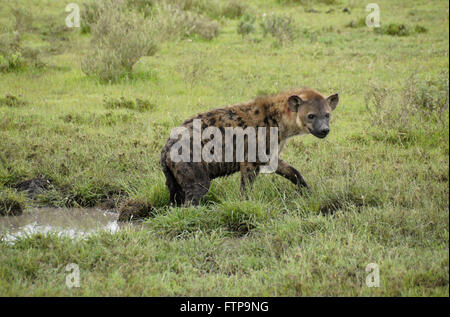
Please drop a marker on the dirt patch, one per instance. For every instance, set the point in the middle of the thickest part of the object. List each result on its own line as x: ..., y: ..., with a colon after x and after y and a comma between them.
x: 33, y: 187
x: 135, y: 210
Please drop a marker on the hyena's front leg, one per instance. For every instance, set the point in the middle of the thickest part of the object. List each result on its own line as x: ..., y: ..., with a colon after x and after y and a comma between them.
x: 287, y: 171
x: 249, y: 171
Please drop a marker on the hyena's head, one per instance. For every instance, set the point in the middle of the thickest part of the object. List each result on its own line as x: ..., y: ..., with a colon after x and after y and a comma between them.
x: 313, y: 112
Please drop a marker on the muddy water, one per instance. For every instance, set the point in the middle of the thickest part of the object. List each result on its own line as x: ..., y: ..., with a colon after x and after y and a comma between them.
x: 72, y: 222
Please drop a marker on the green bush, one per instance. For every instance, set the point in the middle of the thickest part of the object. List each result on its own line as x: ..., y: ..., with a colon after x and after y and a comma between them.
x: 357, y: 24
x: 309, y: 2
x: 173, y: 22
x: 428, y: 96
x: 394, y: 29
x: 246, y: 25
x: 417, y: 111
x: 89, y: 15
x: 233, y: 9
x: 123, y: 103
x: 282, y: 28
x: 11, y: 58
x: 15, y: 57
x: 144, y: 6
x: 23, y: 17
x: 420, y: 29
x: 211, y: 8
x: 119, y: 39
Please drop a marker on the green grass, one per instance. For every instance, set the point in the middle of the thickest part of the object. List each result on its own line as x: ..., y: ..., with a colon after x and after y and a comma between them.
x: 379, y: 191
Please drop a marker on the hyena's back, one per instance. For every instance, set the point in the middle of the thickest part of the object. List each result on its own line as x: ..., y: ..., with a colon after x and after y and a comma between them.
x: 188, y: 180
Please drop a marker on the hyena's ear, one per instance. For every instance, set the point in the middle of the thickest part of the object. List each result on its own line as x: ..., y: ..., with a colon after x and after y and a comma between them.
x: 294, y: 102
x: 333, y: 101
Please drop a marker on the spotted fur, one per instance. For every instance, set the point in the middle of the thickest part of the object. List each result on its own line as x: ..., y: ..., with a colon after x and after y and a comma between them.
x: 289, y: 111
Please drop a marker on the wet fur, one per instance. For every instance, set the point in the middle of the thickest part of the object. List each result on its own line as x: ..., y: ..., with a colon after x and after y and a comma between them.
x: 188, y: 182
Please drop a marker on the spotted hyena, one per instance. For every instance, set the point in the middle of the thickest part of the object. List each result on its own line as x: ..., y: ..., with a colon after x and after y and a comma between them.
x: 287, y: 114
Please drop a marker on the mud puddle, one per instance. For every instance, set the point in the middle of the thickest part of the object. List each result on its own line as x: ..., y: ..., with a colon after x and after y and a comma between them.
x: 71, y: 222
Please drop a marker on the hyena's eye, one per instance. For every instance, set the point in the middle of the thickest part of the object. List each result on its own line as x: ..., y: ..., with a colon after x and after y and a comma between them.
x: 327, y: 115
x: 311, y: 116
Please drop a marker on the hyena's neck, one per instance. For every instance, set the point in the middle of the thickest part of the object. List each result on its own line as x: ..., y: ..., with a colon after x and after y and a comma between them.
x: 284, y: 121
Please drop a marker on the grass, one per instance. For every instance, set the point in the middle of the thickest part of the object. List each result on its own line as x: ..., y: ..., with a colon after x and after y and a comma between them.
x: 379, y: 190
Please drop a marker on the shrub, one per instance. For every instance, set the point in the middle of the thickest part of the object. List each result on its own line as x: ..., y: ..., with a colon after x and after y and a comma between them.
x: 203, y: 27
x: 119, y: 39
x: 89, y: 16
x: 109, y: 118
x: 246, y: 25
x: 123, y: 103
x: 415, y: 111
x: 393, y: 29
x: 309, y: 2
x: 357, y: 24
x: 400, y: 29
x: 193, y: 68
x: 10, y: 52
x: 23, y: 17
x: 52, y: 29
x: 420, y: 29
x: 144, y: 6
x: 428, y: 96
x: 210, y: 8
x: 282, y: 28
x: 233, y: 9
x: 15, y: 57
x: 173, y: 22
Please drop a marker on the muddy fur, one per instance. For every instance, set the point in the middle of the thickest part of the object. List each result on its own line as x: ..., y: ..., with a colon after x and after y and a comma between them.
x: 188, y: 182
x: 135, y: 210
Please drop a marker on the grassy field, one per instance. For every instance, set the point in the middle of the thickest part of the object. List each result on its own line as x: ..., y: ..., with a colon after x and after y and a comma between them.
x: 379, y: 181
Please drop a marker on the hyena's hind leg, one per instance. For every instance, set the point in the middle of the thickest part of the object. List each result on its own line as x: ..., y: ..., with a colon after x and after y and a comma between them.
x: 194, y: 181
x: 177, y: 195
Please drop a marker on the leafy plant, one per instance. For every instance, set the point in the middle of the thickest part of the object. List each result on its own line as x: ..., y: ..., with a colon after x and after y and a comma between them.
x: 246, y: 25
x: 281, y: 27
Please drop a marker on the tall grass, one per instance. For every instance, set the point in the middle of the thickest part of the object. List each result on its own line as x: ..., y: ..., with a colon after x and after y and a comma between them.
x: 419, y: 110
